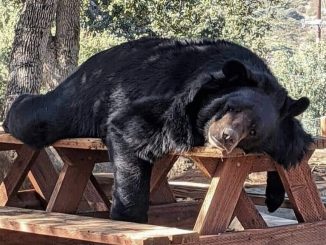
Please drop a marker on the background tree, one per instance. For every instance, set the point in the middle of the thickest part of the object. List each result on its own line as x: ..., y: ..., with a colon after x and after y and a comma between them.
x: 35, y: 49
x: 28, y: 49
x: 63, y: 47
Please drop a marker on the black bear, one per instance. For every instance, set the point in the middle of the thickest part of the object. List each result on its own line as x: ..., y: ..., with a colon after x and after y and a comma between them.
x: 147, y: 97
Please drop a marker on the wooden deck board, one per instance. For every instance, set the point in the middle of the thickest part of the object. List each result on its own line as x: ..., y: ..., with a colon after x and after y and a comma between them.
x: 90, y: 229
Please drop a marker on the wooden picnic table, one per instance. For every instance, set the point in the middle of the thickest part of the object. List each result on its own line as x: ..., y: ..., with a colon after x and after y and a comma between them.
x: 75, y: 189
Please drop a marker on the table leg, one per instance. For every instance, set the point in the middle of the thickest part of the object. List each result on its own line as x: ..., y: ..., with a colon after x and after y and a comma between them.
x: 302, y: 191
x: 247, y: 213
x: 17, y: 173
x: 43, y: 176
x: 160, y: 170
x: 222, y: 196
x: 72, y: 181
x: 163, y: 195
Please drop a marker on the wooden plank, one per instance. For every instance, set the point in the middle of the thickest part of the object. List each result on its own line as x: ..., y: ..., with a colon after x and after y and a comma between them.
x: 302, y: 191
x: 262, y: 164
x: 160, y: 170
x: 301, y: 234
x: 9, y: 237
x: 181, y: 189
x: 17, y: 173
x: 8, y: 147
x: 160, y: 191
x: 163, y: 195
x: 81, y: 143
x: 77, y: 156
x: 95, y: 196
x: 27, y: 199
x: 90, y: 229
x: 43, y: 175
x: 197, y: 191
x: 222, y: 196
x: 76, y: 143
x: 323, y: 126
x: 320, y: 142
x: 106, y: 181
x: 97, y: 144
x: 216, y: 153
x: 206, y: 165
x: 8, y: 139
x: 72, y: 181
x: 182, y: 214
x: 247, y: 213
x: 185, y: 189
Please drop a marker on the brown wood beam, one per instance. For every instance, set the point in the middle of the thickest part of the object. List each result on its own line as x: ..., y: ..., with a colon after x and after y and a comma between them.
x: 247, y: 213
x: 160, y: 170
x: 43, y: 175
x: 73, y: 178
x: 163, y: 194
x: 17, y: 173
x: 302, y: 191
x: 301, y: 234
x: 222, y: 196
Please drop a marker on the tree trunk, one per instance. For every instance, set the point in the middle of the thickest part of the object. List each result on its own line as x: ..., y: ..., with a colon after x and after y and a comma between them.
x: 29, y: 46
x: 63, y: 48
x: 37, y: 57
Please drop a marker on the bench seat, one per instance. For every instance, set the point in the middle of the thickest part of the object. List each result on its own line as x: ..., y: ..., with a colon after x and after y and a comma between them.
x: 99, y: 231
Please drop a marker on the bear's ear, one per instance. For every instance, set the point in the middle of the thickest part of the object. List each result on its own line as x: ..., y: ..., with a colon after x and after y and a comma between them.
x: 293, y: 108
x: 234, y: 69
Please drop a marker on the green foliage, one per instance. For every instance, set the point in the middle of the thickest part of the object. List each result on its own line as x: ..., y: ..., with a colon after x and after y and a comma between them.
x: 94, y: 42
x: 236, y: 20
x: 303, y: 73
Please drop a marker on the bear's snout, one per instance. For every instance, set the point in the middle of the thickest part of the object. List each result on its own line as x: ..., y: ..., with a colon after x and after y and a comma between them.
x: 229, y: 139
x: 226, y: 132
x: 226, y: 140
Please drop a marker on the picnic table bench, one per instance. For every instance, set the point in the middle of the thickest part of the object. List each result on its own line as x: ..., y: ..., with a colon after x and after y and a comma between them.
x: 75, y: 190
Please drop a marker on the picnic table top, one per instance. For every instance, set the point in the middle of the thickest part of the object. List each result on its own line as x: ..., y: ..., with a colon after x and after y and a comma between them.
x: 97, y: 144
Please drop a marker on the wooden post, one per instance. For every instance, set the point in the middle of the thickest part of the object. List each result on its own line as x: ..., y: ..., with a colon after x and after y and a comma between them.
x: 302, y: 191
x: 43, y: 175
x: 318, y: 37
x: 323, y: 126
x: 17, y: 173
x: 161, y: 192
x: 73, y: 180
x: 222, y: 196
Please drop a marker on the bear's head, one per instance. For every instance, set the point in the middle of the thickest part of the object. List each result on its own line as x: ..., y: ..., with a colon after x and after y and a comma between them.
x: 257, y: 116
x: 248, y: 118
x: 243, y: 118
x: 242, y: 106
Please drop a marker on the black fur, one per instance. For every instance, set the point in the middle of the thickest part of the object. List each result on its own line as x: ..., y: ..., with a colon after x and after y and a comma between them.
x: 150, y: 96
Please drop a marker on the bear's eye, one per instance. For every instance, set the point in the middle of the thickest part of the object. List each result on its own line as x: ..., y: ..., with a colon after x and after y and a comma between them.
x: 252, y: 132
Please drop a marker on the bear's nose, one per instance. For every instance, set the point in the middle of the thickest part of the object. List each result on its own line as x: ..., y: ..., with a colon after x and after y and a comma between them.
x: 228, y: 136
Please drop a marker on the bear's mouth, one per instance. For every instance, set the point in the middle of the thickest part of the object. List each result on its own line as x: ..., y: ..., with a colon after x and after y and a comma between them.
x: 215, y: 142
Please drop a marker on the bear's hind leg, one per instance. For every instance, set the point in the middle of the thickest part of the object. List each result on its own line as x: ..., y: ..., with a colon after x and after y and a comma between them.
x: 131, y: 184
